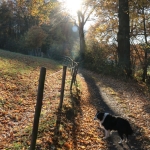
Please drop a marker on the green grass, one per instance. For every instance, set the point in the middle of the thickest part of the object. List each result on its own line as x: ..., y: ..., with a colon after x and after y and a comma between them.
x: 14, y: 63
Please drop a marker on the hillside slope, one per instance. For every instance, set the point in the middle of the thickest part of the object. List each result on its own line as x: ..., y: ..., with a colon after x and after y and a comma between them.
x: 74, y: 128
x: 19, y: 75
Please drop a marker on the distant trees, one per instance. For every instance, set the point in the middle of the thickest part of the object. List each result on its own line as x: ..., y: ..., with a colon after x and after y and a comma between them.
x: 34, y: 39
x: 143, y: 28
x: 23, y: 25
x: 17, y: 17
x: 6, y: 21
x: 125, y: 29
x: 120, y: 31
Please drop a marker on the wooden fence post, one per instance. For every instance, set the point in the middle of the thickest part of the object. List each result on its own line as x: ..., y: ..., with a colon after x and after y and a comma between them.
x: 38, y: 108
x: 62, y: 86
x: 75, y: 70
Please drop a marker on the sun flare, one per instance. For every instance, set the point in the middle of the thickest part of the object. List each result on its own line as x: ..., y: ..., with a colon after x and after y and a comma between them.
x: 73, y: 5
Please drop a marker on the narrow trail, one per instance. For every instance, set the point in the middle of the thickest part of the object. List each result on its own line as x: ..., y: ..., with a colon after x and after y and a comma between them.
x: 102, y: 100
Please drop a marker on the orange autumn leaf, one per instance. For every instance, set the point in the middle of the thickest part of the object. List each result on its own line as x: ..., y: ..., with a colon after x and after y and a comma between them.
x: 67, y: 145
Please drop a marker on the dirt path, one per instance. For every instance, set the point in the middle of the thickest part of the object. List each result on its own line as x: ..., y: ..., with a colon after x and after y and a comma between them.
x: 116, y: 97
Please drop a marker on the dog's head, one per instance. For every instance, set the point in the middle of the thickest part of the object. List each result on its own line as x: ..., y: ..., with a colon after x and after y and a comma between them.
x: 99, y: 116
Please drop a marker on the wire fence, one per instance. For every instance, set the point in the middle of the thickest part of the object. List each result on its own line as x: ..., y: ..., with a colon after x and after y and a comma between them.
x: 19, y: 119
x: 54, y: 89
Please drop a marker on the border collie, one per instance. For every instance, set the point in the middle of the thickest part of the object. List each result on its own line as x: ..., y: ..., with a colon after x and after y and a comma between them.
x: 110, y: 122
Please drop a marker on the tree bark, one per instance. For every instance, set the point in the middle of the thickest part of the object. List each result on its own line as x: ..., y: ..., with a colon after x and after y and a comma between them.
x: 124, y: 38
x: 145, y: 65
x: 82, y: 42
x: 81, y: 34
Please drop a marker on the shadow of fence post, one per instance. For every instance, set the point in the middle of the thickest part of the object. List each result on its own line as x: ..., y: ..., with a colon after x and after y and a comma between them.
x: 38, y: 108
x: 61, y: 102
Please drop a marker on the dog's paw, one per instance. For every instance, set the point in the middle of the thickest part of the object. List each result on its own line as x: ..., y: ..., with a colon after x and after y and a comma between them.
x: 120, y: 142
x: 104, y: 138
x: 126, y: 141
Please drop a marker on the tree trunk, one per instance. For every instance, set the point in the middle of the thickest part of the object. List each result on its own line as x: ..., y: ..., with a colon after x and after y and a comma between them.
x: 144, y: 76
x: 81, y: 34
x: 124, y: 38
x: 82, y: 41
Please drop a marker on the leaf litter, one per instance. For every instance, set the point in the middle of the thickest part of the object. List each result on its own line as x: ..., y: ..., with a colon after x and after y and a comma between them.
x: 128, y: 99
x: 74, y: 127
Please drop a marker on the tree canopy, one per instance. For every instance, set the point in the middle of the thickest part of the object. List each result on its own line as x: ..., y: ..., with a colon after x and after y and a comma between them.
x: 62, y: 32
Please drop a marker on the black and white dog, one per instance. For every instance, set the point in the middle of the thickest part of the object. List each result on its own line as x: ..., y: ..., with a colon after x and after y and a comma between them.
x: 110, y: 122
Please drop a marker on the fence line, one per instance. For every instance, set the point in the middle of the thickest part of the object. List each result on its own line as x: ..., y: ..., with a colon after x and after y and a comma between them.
x: 58, y: 83
x: 73, y: 67
x: 56, y: 78
x: 53, y: 92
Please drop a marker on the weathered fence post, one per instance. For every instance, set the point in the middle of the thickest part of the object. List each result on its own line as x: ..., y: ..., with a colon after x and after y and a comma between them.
x: 62, y: 86
x: 38, y: 108
x: 73, y: 63
x: 75, y: 70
